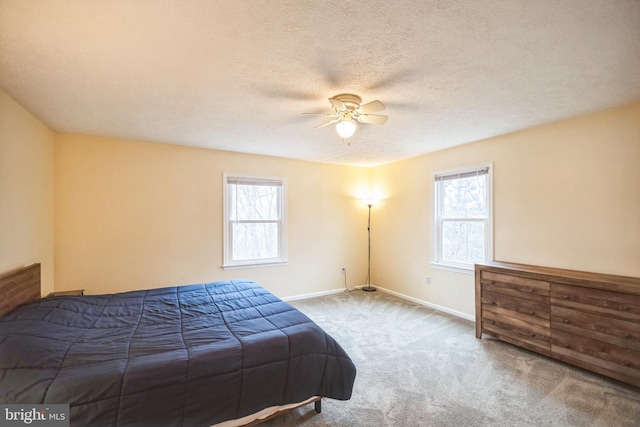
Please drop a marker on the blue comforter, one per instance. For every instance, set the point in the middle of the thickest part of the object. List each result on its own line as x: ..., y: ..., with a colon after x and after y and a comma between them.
x: 181, y: 356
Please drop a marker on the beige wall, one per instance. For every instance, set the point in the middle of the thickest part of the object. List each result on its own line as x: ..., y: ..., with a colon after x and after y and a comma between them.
x: 132, y: 215
x: 135, y: 215
x: 26, y: 191
x: 565, y: 195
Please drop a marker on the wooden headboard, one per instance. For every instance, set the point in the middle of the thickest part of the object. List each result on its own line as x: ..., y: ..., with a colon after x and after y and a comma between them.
x: 19, y: 287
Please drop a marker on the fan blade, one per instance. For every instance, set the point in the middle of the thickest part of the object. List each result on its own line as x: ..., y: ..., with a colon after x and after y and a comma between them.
x: 327, y: 123
x: 337, y: 104
x: 370, y: 107
x: 374, y: 119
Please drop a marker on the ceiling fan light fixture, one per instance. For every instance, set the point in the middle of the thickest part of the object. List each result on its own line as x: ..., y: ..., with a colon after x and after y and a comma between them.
x: 346, y: 128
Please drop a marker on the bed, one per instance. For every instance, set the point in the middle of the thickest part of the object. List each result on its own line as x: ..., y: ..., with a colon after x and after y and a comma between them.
x: 223, y: 353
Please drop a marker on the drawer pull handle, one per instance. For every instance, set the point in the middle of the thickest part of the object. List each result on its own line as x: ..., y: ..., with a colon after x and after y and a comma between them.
x: 625, y: 308
x: 533, y: 335
x: 566, y: 320
x: 532, y: 312
x: 567, y: 345
x: 627, y: 335
x: 493, y: 303
x: 565, y: 296
x: 625, y: 363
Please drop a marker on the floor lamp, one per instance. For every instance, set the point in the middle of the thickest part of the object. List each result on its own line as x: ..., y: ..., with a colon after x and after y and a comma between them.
x: 369, y: 288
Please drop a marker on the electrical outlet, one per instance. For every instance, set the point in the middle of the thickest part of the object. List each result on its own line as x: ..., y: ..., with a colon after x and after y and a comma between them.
x: 428, y: 280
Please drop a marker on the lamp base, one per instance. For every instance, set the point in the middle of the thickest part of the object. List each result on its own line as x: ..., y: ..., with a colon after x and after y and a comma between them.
x: 368, y: 288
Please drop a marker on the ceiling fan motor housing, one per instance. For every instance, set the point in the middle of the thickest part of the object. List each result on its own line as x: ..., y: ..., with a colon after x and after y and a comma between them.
x: 350, y: 100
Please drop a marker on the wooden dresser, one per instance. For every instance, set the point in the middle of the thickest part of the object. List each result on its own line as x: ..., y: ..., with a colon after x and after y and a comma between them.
x: 589, y: 320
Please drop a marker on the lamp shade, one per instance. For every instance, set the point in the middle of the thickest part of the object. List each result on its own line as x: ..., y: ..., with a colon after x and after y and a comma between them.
x: 346, y: 128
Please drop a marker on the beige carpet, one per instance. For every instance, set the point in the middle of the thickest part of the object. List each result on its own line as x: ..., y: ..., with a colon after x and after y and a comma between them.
x: 420, y: 367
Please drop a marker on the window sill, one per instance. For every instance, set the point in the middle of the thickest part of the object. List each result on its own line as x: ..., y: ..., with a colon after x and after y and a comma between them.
x: 454, y: 268
x: 253, y: 265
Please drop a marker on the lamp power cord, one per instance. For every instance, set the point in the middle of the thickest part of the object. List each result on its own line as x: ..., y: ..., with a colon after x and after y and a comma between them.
x: 347, y: 288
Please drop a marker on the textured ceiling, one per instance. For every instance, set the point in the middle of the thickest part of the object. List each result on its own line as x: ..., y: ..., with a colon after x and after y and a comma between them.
x: 237, y: 75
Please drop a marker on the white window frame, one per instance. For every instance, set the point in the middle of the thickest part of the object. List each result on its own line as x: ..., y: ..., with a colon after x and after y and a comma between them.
x: 438, y: 261
x: 228, y: 262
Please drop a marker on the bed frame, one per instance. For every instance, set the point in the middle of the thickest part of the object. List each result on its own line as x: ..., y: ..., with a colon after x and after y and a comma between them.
x: 19, y: 287
x: 317, y: 406
x: 23, y: 285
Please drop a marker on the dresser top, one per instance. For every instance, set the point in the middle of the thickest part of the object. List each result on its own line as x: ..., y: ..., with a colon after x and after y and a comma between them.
x: 624, y: 284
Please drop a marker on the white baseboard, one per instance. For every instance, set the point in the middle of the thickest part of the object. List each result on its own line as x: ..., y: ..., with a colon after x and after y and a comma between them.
x: 312, y: 295
x: 428, y: 304
x: 388, y: 291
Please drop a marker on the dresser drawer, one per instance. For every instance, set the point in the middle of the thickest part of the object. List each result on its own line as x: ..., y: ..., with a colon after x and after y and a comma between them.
x: 518, y: 328
x: 597, y: 301
x: 499, y: 288
x: 516, y: 283
x: 494, y: 301
x: 621, y: 333
x: 597, y: 353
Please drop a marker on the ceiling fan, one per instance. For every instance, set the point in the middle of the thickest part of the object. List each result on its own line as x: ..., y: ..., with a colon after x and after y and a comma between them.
x: 348, y: 112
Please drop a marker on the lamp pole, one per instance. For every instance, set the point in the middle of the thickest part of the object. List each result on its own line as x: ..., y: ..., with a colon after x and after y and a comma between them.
x: 369, y: 288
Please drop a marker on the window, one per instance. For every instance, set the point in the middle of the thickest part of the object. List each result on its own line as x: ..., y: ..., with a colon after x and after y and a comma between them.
x: 254, y: 221
x: 463, y: 234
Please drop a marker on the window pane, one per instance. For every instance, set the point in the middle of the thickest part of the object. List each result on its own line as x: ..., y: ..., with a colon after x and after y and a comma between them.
x: 463, y: 241
x: 464, y: 197
x: 254, y: 241
x: 254, y: 202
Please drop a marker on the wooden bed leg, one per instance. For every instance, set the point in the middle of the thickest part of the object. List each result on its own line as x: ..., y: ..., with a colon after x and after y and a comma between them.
x: 318, y: 406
